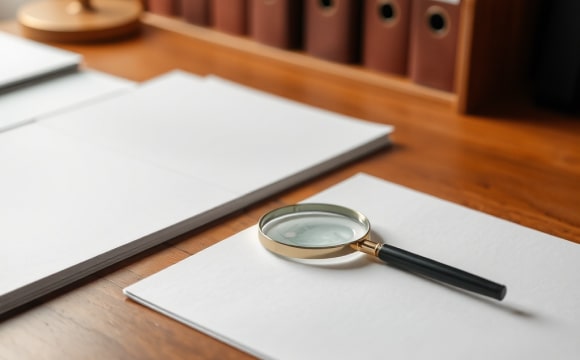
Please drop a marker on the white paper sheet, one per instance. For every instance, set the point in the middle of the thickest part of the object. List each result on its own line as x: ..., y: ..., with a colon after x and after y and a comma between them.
x: 28, y: 103
x: 362, y: 309
x: 90, y: 186
x: 22, y: 60
x: 216, y: 132
x: 65, y: 202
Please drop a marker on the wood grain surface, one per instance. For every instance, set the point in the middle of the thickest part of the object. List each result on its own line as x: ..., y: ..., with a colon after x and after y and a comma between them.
x: 516, y: 162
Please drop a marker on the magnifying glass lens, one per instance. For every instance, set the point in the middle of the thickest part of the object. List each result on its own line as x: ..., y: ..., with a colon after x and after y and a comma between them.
x: 313, y: 229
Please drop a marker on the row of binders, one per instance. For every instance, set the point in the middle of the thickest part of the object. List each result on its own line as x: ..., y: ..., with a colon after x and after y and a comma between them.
x: 416, y: 39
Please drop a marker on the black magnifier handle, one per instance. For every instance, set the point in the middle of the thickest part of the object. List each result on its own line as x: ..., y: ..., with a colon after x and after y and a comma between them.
x: 433, y: 269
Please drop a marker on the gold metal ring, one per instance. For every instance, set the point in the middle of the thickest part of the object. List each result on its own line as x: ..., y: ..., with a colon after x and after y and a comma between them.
x: 312, y: 252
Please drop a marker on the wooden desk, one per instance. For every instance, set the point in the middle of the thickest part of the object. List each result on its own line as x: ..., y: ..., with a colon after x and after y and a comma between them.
x: 521, y: 164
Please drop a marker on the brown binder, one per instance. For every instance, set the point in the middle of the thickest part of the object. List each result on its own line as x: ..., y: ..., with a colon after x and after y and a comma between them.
x: 196, y: 11
x: 230, y: 16
x: 433, y: 47
x: 333, y: 29
x: 386, y: 26
x: 165, y: 7
x: 276, y: 22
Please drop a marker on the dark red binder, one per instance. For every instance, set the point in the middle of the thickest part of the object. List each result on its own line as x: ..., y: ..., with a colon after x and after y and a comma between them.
x: 276, y: 22
x: 333, y: 29
x: 433, y: 47
x: 386, y: 25
x: 230, y: 16
x: 165, y: 7
x: 196, y: 11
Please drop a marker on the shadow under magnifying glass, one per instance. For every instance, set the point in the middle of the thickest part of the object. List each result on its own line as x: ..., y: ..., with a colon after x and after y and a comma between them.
x: 358, y: 260
x: 503, y: 306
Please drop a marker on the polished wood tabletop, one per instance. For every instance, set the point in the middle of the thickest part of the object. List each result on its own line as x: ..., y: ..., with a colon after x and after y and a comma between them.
x: 516, y: 161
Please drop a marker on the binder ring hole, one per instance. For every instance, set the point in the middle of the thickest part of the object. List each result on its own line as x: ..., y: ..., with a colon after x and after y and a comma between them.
x: 438, y: 21
x: 328, y: 7
x: 388, y: 12
x: 326, y: 4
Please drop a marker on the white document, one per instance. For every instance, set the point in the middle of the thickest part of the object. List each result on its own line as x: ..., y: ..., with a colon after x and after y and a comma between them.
x: 25, y: 104
x: 23, y: 60
x: 240, y: 139
x: 360, y: 308
x: 90, y: 186
x: 69, y: 208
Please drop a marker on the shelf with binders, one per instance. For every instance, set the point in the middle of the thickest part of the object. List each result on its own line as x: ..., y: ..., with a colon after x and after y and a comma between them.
x: 489, y: 64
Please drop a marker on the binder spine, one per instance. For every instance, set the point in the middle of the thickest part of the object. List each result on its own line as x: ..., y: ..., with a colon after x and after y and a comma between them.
x: 386, y: 35
x: 230, y: 16
x: 333, y: 29
x: 196, y: 12
x: 165, y: 7
x: 276, y: 22
x: 433, y: 47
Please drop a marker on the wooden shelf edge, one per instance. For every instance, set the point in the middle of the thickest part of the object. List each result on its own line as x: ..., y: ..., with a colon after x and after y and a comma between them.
x: 464, y: 50
x: 351, y: 72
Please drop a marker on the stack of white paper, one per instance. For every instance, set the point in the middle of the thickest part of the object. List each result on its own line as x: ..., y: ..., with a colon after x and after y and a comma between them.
x: 25, y: 104
x: 85, y: 188
x: 48, y: 81
x: 359, y: 308
x: 24, y: 60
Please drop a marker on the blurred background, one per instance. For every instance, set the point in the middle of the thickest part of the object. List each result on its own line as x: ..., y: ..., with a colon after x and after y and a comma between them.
x: 8, y: 8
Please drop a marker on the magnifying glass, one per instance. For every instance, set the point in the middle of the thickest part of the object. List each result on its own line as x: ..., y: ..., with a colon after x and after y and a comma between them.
x: 317, y: 231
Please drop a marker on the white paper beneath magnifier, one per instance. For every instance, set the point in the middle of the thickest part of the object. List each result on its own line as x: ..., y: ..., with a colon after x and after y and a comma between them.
x: 276, y: 308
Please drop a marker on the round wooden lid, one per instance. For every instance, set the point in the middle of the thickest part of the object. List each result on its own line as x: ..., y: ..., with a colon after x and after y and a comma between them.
x: 79, y: 21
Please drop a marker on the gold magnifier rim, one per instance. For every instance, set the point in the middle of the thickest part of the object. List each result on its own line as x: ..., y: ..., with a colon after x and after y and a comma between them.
x: 319, y: 252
